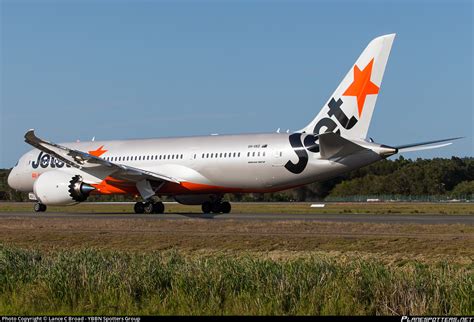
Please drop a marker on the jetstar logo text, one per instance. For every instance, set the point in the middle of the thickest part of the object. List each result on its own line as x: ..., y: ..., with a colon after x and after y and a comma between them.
x: 336, y: 118
x: 44, y: 160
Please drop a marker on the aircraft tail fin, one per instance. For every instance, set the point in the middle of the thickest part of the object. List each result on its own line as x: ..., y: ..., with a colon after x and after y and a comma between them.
x: 349, y: 110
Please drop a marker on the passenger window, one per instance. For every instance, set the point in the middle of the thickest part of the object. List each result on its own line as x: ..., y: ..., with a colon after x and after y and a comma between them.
x: 253, y: 153
x: 259, y: 153
x: 263, y: 153
x: 248, y: 154
x: 182, y: 156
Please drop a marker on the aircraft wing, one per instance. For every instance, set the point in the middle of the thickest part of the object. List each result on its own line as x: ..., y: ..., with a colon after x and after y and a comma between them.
x: 86, y: 161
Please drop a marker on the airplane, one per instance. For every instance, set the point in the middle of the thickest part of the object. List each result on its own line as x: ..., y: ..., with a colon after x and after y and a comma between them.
x: 200, y: 170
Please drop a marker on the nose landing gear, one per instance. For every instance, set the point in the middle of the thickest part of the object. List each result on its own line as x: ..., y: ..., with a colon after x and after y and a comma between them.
x: 39, y: 207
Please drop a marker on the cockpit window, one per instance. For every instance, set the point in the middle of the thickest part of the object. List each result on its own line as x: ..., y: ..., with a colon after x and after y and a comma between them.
x: 16, y: 163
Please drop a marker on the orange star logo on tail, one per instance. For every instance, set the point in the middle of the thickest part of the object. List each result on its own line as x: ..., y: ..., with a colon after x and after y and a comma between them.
x: 362, y: 85
x: 98, y: 152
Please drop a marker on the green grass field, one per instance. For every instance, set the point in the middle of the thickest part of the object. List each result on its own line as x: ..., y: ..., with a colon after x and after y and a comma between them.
x: 168, y: 282
x: 276, y: 208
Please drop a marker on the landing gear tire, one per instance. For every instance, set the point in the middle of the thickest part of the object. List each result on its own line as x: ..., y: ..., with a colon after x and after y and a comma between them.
x: 148, y: 207
x: 158, y: 208
x: 225, y: 207
x: 139, y: 208
x: 39, y: 207
x: 206, y: 207
x: 216, y: 208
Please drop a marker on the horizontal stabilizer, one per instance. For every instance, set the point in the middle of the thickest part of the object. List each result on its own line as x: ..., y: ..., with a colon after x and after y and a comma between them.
x: 424, y: 145
x: 332, y: 145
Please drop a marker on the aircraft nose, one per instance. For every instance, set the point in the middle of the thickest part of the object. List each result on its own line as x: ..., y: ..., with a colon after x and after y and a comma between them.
x: 12, y: 178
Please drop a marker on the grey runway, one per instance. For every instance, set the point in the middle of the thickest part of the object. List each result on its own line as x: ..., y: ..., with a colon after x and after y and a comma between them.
x: 371, y: 218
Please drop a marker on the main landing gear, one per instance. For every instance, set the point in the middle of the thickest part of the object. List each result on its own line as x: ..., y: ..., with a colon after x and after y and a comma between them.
x: 149, y: 207
x: 39, y: 207
x: 216, y: 207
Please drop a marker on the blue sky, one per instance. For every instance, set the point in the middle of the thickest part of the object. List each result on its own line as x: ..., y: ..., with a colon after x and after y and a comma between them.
x: 130, y: 69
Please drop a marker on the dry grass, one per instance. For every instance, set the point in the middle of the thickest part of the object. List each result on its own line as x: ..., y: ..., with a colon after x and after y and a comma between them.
x: 286, y: 238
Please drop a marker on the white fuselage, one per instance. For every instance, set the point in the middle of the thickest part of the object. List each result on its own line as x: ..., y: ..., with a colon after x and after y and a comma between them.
x: 209, y: 164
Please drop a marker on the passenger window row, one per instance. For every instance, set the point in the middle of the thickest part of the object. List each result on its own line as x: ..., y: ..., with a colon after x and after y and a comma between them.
x: 145, y: 157
x: 255, y: 154
x: 220, y: 155
x: 213, y: 155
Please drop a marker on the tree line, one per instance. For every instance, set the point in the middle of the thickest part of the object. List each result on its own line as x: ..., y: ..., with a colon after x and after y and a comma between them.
x: 450, y: 178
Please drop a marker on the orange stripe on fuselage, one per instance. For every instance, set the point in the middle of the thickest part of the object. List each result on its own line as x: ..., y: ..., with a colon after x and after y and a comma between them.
x: 114, y: 186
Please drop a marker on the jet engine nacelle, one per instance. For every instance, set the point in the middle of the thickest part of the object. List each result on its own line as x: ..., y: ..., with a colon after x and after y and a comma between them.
x: 61, y: 188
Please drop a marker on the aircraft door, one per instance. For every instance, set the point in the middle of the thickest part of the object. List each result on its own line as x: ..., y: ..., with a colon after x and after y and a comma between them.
x: 277, y: 159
